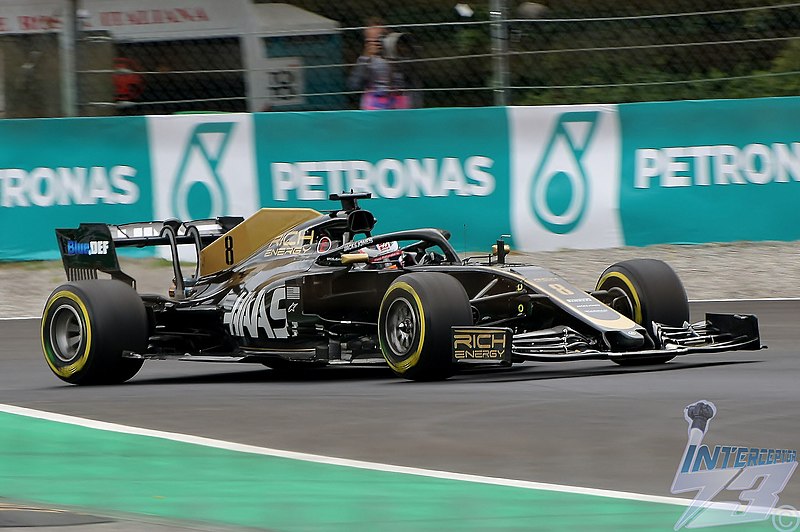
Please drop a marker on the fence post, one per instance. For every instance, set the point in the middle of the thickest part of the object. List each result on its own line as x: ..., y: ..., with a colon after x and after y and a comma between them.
x: 498, y: 14
x: 66, y: 45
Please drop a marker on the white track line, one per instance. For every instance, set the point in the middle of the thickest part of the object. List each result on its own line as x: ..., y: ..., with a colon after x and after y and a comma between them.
x: 264, y: 451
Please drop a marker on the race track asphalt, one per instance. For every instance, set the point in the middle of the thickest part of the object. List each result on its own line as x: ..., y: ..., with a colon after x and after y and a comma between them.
x: 590, y: 424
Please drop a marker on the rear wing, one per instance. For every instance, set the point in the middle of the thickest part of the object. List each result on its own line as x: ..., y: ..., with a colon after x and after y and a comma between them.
x: 91, y: 248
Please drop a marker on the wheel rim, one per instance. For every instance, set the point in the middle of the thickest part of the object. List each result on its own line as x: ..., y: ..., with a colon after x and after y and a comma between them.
x: 66, y: 333
x: 401, y: 326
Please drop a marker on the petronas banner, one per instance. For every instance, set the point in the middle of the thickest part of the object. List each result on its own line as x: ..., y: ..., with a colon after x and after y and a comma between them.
x: 589, y: 176
x: 443, y: 168
x: 60, y: 172
x: 717, y: 171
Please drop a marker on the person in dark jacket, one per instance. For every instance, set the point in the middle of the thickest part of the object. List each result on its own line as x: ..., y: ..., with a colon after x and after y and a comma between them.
x: 387, y: 81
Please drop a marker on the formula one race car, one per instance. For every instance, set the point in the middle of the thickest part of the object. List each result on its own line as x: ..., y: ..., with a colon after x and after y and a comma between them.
x: 290, y: 288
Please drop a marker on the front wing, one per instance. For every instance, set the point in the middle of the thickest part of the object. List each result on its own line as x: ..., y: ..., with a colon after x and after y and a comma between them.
x: 718, y: 332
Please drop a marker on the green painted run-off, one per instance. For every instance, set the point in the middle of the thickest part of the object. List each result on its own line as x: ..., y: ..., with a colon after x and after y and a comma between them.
x: 66, y: 465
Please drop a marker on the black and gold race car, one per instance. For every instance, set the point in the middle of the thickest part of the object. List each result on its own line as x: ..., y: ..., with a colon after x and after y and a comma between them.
x: 290, y: 288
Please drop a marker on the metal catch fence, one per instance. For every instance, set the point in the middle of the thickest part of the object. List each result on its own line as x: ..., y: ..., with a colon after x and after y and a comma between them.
x: 169, y: 56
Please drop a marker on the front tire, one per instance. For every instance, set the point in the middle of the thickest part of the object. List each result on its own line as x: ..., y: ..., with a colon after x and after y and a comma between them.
x: 86, y: 326
x: 652, y: 292
x: 414, y: 323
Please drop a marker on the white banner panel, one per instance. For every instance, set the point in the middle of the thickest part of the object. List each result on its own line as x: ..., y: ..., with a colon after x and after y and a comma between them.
x: 203, y: 166
x: 565, y: 168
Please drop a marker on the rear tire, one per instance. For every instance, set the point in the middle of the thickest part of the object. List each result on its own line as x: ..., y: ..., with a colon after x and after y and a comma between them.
x: 414, y: 323
x: 653, y: 293
x: 86, y: 326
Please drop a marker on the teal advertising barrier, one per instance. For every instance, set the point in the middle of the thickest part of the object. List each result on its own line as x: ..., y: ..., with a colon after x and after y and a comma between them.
x: 710, y: 171
x: 444, y: 168
x: 58, y: 173
x: 587, y: 176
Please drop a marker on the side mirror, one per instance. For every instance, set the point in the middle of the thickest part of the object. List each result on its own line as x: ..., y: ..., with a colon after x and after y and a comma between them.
x: 360, y: 221
x: 506, y: 249
x: 501, y: 249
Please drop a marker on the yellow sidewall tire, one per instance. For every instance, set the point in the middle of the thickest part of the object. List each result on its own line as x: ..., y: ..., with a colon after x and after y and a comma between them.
x: 57, y: 301
x: 86, y: 328
x: 401, y: 365
x: 656, y: 294
x: 432, y: 303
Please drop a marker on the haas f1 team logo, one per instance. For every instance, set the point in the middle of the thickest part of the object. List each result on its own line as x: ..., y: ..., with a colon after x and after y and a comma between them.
x: 758, y: 475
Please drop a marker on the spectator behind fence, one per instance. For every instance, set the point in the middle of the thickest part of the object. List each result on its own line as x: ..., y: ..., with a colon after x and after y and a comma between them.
x: 387, y: 81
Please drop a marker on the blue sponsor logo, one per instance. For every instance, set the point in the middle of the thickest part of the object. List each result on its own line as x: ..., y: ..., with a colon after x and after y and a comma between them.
x: 94, y: 247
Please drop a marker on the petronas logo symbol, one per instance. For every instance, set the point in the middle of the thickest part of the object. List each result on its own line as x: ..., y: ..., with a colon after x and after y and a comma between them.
x: 560, y: 188
x: 198, y: 190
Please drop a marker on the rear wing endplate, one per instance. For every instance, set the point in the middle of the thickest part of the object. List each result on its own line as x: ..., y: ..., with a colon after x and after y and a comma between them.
x: 91, y: 248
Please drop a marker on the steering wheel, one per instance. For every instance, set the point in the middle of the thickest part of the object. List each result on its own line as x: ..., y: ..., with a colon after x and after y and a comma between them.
x: 408, y: 259
x: 430, y: 257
